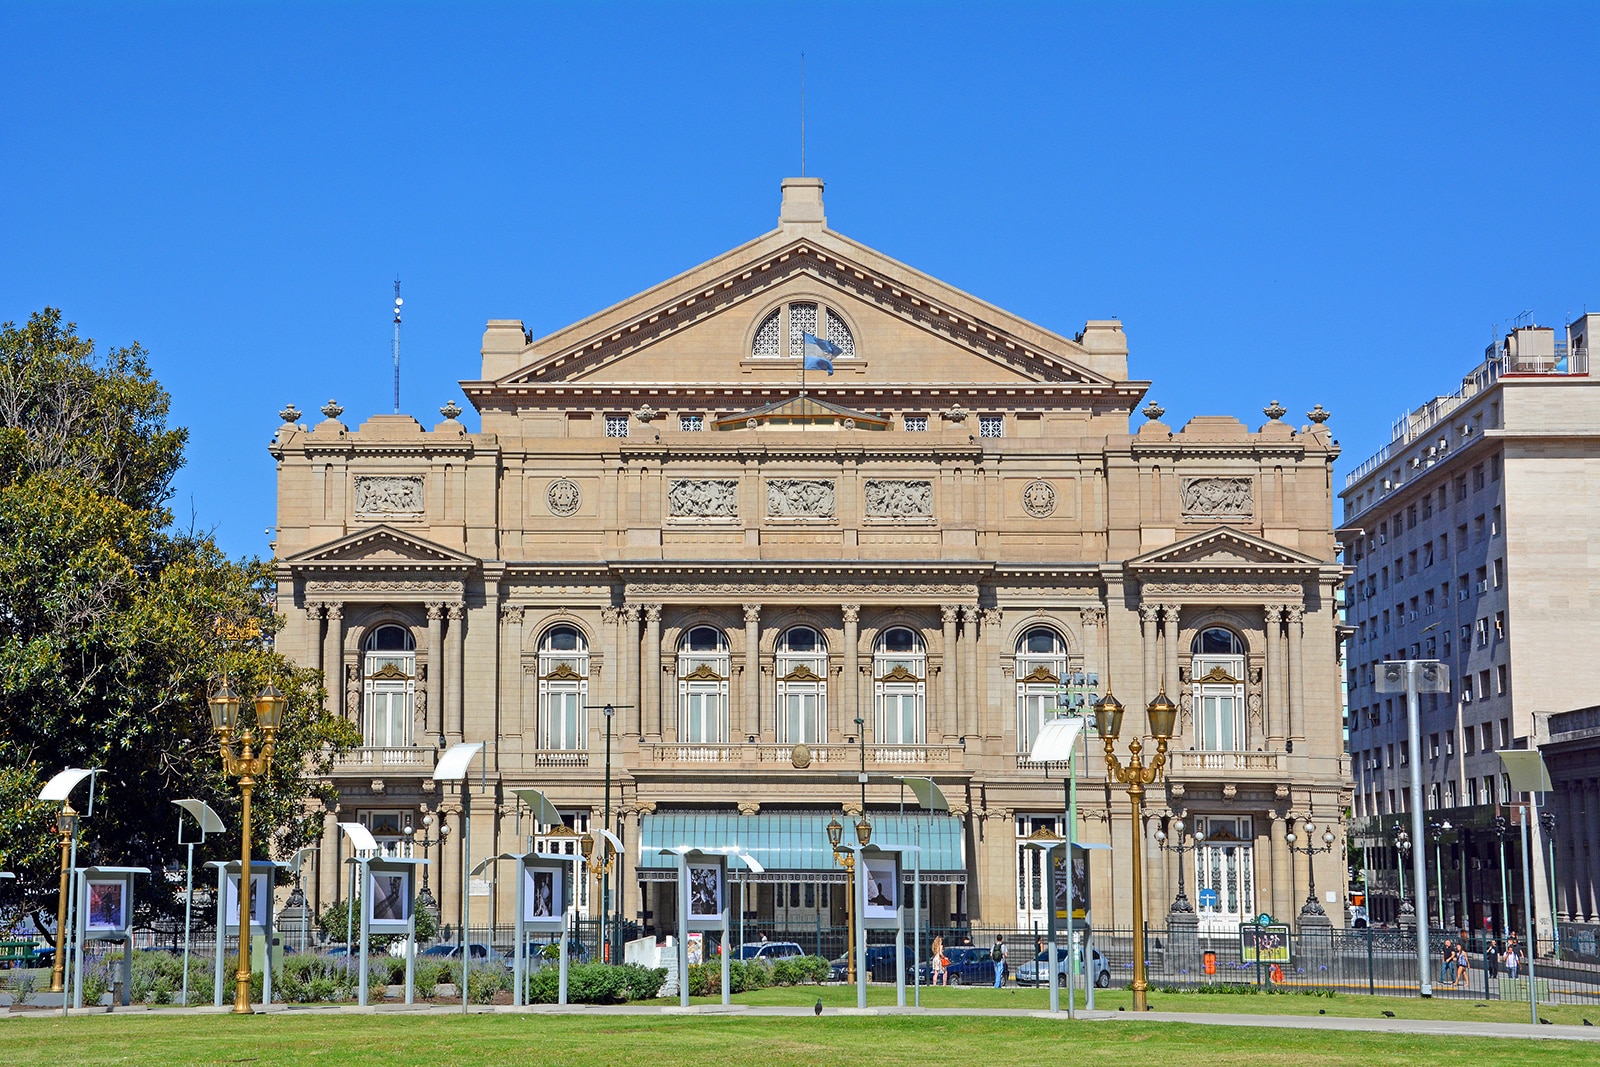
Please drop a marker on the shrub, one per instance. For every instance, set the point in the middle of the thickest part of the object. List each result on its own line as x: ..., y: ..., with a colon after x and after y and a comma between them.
x: 788, y: 972
x: 484, y: 982
x: 598, y: 983
x: 816, y: 969
x: 94, y: 985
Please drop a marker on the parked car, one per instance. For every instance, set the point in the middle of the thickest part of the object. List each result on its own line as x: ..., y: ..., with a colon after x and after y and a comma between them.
x: 453, y: 952
x: 880, y: 965
x: 969, y: 965
x: 771, y: 951
x: 1037, y: 971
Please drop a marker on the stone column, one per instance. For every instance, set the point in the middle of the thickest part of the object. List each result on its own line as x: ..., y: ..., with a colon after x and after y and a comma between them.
x: 1282, y: 887
x: 1272, y: 691
x: 752, y: 670
x: 510, y: 656
x: 454, y: 710
x: 650, y: 673
x: 1591, y: 810
x: 328, y: 866
x: 970, y: 714
x: 1163, y: 650
x: 333, y: 658
x: 1294, y: 618
x: 314, y: 633
x: 852, y: 673
x: 628, y: 641
x: 435, y: 687
x: 1149, y: 615
x: 1174, y: 653
x: 949, y: 720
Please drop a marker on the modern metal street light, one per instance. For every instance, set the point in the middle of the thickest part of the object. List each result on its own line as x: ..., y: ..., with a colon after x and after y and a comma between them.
x: 1180, y: 903
x: 1312, y: 906
x: 846, y: 858
x: 247, y: 765
x: 1162, y: 714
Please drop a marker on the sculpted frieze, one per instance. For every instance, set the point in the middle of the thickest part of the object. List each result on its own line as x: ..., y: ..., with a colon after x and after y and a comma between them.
x: 800, y: 498
x: 1213, y: 586
x: 899, y: 499
x: 421, y: 587
x: 389, y: 494
x: 825, y: 586
x: 703, y: 498
x: 1217, y: 498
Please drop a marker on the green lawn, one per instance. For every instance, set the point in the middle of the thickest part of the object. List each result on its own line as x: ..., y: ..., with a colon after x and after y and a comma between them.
x: 1348, y: 1004
x: 655, y: 1041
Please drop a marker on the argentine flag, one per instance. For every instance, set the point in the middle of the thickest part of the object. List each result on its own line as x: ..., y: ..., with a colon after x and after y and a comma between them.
x: 818, y: 351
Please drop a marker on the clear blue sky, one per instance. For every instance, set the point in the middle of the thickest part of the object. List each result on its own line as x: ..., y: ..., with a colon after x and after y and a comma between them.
x: 1325, y: 204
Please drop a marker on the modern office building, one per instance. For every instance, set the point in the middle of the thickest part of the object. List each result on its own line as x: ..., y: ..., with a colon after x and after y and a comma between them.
x: 677, y: 578
x: 1473, y: 539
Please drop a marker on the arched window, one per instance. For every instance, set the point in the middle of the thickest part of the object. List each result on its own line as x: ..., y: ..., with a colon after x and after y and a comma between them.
x: 802, y: 671
x: 899, y: 671
x: 1217, y: 674
x: 795, y: 321
x: 563, y: 689
x: 703, y: 686
x: 389, y: 684
x: 1041, y: 665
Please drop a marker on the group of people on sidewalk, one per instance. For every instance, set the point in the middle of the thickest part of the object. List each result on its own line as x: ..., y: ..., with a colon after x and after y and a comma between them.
x: 1456, y: 965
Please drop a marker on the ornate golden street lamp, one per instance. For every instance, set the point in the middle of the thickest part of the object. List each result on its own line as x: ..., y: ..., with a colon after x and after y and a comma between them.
x: 66, y: 826
x: 1162, y: 713
x: 600, y: 869
x: 246, y: 765
x: 846, y: 858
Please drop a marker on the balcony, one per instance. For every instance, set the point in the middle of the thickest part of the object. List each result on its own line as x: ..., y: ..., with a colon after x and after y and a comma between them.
x: 411, y: 761
x: 557, y: 757
x: 755, y: 756
x: 1189, y: 763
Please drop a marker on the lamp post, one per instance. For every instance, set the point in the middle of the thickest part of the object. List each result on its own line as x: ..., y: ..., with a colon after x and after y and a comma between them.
x: 601, y: 869
x: 246, y: 765
x: 1161, y: 713
x: 1402, y: 848
x: 425, y: 898
x: 610, y: 712
x: 1547, y: 821
x: 1502, y: 829
x: 1436, y: 832
x: 1312, y: 906
x: 66, y: 827
x: 845, y: 857
x: 1180, y: 903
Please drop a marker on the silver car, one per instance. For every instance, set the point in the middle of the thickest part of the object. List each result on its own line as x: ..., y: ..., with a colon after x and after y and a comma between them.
x: 1037, y: 971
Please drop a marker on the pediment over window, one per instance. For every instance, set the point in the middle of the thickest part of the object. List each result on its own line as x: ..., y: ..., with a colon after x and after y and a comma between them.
x: 1224, y: 549
x: 382, y: 547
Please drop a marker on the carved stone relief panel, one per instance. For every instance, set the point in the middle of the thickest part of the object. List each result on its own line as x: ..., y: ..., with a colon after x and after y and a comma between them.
x: 900, y: 500
x: 1217, y: 498
x: 1039, y: 499
x: 800, y: 498
x: 708, y: 498
x: 389, y: 495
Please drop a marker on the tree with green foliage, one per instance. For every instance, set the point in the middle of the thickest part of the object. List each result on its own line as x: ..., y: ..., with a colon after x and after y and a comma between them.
x: 115, y: 626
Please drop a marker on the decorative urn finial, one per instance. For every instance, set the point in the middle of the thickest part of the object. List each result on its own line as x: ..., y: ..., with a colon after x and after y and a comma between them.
x: 1274, y: 411
x: 333, y: 409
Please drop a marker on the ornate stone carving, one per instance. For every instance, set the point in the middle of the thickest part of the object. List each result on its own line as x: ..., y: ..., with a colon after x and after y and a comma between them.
x: 752, y: 613
x: 511, y: 613
x: 851, y: 612
x: 451, y: 410
x: 646, y: 413
x: 652, y: 613
x: 289, y: 413
x: 1149, y: 613
x: 956, y: 413
x: 352, y: 690
x: 1274, y: 411
x: 1153, y: 411
x: 609, y: 616
x: 749, y: 807
x: 1253, y: 703
x: 333, y: 409
x: 457, y: 611
x: 800, y: 498
x: 819, y: 585
x: 1092, y: 618
x: 376, y: 785
x: 1294, y: 614
x: 389, y: 673
x: 1242, y: 585
x: 1319, y: 414
x: 358, y: 588
x: 389, y: 494
x: 950, y: 614
x: 703, y: 498
x: 1222, y: 498
x: 422, y: 694
x: 899, y: 499
x: 630, y: 614
x: 1255, y: 676
x: 1039, y: 499
x: 991, y: 617
x: 1185, y: 709
x: 563, y: 498
x: 435, y: 610
x: 1230, y: 791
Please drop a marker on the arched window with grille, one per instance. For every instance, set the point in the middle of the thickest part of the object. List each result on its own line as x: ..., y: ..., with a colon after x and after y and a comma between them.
x: 389, y: 683
x: 1041, y: 664
x: 899, y: 672
x: 794, y: 321
x: 703, y: 666
x: 563, y: 689
x: 1217, y: 672
x: 801, y: 667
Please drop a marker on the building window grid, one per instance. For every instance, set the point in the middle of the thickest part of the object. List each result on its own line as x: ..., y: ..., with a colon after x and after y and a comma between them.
x: 899, y: 671
x: 563, y: 689
x: 703, y: 669
x: 691, y: 423
x: 1041, y: 656
x: 801, y: 667
x: 389, y: 687
x: 616, y: 425
x: 991, y: 426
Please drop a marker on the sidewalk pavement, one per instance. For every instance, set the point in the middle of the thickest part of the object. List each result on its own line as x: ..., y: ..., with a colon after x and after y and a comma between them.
x: 1426, y: 1027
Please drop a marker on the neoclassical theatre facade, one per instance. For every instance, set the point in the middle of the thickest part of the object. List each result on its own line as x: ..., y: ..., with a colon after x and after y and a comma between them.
x: 790, y: 596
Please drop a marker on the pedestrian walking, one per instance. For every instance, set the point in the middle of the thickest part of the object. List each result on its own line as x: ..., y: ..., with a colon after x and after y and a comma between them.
x: 941, y: 962
x: 997, y: 956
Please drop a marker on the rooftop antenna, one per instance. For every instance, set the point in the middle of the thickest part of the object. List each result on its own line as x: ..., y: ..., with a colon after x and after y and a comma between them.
x: 802, y: 114
x: 397, y: 303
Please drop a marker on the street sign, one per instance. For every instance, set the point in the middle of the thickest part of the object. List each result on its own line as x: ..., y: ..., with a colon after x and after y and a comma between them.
x: 1209, y: 898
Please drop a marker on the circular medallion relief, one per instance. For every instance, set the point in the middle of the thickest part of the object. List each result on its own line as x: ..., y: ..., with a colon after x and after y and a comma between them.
x: 801, y: 757
x: 1039, y: 498
x: 563, y: 497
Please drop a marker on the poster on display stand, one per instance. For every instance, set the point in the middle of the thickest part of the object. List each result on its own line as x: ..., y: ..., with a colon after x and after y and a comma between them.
x: 263, y: 874
x: 388, y: 906
x: 544, y: 907
x: 106, y: 915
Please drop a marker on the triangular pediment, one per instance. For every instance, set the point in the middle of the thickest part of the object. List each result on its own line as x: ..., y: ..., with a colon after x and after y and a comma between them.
x: 1222, y: 548
x: 383, y: 547
x: 696, y: 328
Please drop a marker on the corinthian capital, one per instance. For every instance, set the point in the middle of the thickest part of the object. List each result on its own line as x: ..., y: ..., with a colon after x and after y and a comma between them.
x: 951, y: 614
x: 752, y: 614
x: 1294, y: 614
x: 1274, y: 614
x: 435, y: 610
x: 652, y: 613
x: 852, y: 614
x: 457, y: 611
x: 1149, y: 613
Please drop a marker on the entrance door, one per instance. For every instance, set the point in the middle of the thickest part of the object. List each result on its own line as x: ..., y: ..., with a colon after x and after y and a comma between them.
x: 1225, y: 875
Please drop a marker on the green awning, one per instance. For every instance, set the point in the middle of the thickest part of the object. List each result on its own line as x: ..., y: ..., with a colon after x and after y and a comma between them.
x: 793, y: 845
